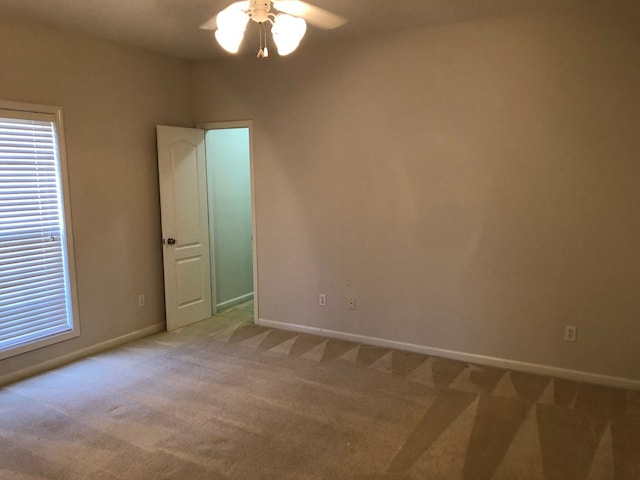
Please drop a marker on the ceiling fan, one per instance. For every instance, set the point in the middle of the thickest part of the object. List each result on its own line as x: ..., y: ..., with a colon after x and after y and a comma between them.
x: 288, y: 25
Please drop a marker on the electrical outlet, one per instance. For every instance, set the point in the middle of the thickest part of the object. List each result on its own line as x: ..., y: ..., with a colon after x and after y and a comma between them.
x: 322, y: 300
x: 570, y: 333
x: 141, y: 300
x: 352, y: 304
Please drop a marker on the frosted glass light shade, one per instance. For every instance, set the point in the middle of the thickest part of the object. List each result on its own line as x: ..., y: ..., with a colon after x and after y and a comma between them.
x: 232, y: 19
x: 231, y: 26
x: 287, y: 33
x: 230, y: 40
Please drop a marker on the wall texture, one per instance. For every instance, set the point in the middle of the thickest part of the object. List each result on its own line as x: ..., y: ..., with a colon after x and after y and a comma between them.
x: 112, y: 97
x: 474, y: 186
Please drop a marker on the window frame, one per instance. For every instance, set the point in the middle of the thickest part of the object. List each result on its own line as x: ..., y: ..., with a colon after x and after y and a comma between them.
x: 53, y: 114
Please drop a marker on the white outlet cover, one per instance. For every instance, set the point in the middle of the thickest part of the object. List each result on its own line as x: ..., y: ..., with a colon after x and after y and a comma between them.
x: 570, y: 333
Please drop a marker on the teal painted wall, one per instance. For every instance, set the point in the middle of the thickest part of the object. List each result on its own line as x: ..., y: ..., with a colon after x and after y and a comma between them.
x: 229, y: 184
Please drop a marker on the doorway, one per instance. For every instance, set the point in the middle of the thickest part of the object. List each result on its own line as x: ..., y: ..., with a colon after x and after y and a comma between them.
x: 230, y: 205
x: 190, y: 246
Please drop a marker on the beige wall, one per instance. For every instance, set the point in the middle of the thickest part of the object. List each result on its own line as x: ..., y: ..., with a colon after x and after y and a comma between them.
x: 475, y: 186
x: 112, y: 98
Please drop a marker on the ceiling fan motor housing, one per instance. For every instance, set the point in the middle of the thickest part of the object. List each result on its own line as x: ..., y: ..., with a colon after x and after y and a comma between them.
x: 259, y: 10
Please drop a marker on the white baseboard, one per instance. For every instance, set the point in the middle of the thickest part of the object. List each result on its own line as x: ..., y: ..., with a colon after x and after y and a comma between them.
x: 78, y: 354
x: 505, y: 363
x: 234, y: 301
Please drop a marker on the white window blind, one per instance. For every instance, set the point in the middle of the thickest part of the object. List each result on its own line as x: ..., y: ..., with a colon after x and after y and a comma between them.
x: 35, y: 294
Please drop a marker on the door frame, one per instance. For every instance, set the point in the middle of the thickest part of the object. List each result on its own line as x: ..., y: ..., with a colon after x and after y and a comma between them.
x: 225, y: 126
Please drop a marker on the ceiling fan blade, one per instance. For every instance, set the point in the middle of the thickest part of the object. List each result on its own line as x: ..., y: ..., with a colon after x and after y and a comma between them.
x: 211, y: 23
x: 316, y: 16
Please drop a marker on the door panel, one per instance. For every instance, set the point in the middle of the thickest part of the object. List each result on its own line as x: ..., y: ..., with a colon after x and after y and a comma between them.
x: 183, y: 202
x: 186, y: 198
x: 189, y: 286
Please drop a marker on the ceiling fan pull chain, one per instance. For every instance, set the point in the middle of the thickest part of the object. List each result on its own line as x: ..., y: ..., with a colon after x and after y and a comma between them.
x: 264, y: 51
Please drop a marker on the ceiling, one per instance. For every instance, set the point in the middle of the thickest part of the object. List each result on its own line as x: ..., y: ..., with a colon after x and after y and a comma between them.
x: 171, y: 26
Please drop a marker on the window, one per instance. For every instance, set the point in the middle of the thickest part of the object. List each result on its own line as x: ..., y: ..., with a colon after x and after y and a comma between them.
x: 37, y: 277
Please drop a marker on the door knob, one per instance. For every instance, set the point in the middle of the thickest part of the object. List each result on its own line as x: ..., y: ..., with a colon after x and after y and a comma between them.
x: 171, y: 241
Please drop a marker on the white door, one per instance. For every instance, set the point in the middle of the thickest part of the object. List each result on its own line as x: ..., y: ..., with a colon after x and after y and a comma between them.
x: 185, y: 225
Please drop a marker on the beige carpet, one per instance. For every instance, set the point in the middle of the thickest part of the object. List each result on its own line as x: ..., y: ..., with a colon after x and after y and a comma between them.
x: 225, y: 399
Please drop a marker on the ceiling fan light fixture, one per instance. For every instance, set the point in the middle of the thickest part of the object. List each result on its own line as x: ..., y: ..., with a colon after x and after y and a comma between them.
x: 232, y: 19
x: 230, y: 40
x: 232, y: 22
x: 288, y: 19
x: 287, y: 32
